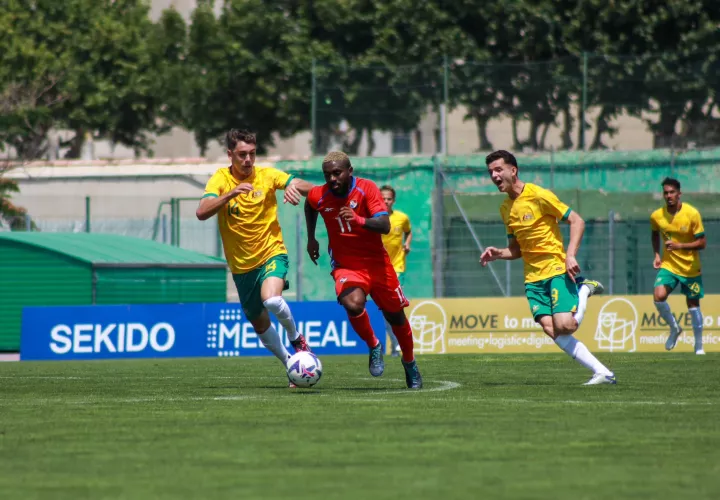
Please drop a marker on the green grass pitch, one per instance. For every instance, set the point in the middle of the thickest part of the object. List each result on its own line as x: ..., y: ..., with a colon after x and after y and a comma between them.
x: 485, y: 426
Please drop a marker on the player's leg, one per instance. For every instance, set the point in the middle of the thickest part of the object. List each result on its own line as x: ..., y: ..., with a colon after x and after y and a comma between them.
x: 394, y: 345
x: 273, y: 283
x: 389, y: 297
x: 248, y: 287
x: 586, y: 289
x: 665, y: 283
x: 693, y: 290
x: 564, y: 303
x: 352, y: 288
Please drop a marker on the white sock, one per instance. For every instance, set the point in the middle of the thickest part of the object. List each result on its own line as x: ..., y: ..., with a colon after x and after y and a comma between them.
x: 271, y: 339
x: 697, y: 322
x: 583, y: 294
x: 581, y: 354
x: 281, y: 310
x: 665, y: 313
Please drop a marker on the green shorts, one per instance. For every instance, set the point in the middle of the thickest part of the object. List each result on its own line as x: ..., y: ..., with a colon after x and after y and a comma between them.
x: 249, y: 284
x: 692, y: 288
x: 550, y: 296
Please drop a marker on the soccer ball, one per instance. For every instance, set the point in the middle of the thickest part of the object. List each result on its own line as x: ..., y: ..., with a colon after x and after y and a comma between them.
x: 304, y: 369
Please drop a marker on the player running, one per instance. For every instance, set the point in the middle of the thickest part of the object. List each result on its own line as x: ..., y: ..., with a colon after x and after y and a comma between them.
x: 355, y: 217
x: 243, y: 196
x: 683, y: 236
x: 397, y: 249
x: 531, y: 215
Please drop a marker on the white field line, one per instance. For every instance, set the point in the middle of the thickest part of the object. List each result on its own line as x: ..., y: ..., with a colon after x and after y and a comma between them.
x: 443, y: 385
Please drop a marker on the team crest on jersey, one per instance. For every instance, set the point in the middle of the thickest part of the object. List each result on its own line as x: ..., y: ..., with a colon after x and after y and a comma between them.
x: 343, y: 280
x: 257, y: 194
x: 684, y: 229
x: 353, y: 204
x: 528, y: 216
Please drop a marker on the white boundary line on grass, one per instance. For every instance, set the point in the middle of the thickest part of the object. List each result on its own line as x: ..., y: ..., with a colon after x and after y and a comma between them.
x: 444, y: 385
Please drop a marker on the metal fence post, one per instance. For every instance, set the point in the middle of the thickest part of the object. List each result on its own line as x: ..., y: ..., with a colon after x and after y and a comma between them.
x: 298, y: 257
x: 313, y: 111
x: 163, y: 228
x: 611, y: 252
x: 508, y: 281
x: 87, y: 214
x: 438, y: 220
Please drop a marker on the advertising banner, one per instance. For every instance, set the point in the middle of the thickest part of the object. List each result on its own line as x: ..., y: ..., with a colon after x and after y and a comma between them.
x: 177, y: 330
x: 611, y: 324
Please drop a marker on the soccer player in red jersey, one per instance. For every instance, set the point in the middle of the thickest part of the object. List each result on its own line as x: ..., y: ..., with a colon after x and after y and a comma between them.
x: 356, y: 218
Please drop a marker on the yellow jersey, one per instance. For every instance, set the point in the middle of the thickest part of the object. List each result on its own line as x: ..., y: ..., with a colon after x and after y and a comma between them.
x: 248, y: 223
x: 393, y: 242
x: 532, y: 219
x: 684, y: 227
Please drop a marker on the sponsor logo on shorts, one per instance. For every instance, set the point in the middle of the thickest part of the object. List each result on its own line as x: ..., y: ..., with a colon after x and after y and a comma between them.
x: 329, y: 209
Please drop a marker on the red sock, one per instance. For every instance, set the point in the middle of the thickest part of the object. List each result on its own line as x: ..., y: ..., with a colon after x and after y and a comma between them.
x: 361, y: 324
x: 403, y: 333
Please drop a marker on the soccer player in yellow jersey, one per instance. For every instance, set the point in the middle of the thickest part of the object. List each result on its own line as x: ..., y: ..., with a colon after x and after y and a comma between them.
x: 397, y: 244
x: 531, y: 215
x: 243, y: 197
x: 683, y: 235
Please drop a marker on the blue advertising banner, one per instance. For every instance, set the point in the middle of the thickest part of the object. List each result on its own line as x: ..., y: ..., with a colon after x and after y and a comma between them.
x: 178, y: 330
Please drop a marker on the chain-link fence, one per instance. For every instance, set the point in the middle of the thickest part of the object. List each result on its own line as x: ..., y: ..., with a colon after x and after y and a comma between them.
x: 458, y: 106
x: 453, y: 208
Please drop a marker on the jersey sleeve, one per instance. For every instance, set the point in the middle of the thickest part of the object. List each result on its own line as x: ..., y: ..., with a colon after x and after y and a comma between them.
x: 215, y: 186
x: 280, y: 179
x: 654, y: 223
x: 551, y: 205
x: 697, y: 226
x: 313, y: 197
x: 406, y: 227
x: 374, y: 200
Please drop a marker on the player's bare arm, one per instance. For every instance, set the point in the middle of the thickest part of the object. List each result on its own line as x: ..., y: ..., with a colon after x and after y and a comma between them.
x: 380, y: 224
x: 296, y: 189
x: 577, y: 228
x: 212, y: 205
x: 699, y: 244
x: 655, y: 238
x: 512, y: 252
x: 408, y: 239
x: 313, y: 247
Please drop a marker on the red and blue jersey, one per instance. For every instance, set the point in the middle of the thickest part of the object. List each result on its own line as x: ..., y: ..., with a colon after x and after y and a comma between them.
x: 351, y: 246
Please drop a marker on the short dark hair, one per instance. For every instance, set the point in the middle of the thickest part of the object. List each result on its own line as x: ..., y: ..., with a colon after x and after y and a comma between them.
x: 235, y: 135
x: 501, y: 154
x: 669, y: 181
x: 388, y: 188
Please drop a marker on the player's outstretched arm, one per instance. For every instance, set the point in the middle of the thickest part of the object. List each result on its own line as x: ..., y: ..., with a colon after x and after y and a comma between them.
x: 512, y: 252
x: 313, y: 247
x: 211, y: 205
x: 295, y: 190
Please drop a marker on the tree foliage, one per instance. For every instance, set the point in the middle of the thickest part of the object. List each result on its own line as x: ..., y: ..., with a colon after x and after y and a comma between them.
x: 102, y: 68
